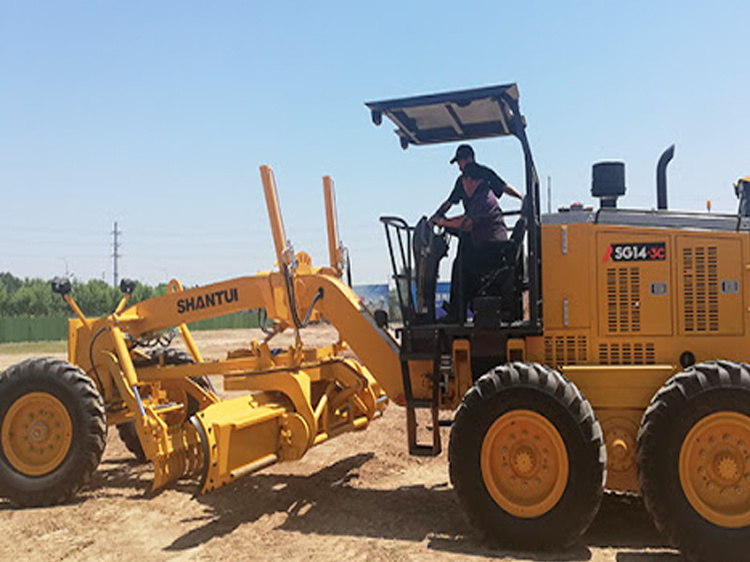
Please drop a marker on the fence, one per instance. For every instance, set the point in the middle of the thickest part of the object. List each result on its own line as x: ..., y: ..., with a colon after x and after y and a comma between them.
x: 53, y: 328
x: 33, y: 328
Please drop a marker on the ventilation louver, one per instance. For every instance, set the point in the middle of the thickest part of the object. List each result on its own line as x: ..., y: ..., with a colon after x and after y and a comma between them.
x: 700, y: 298
x: 623, y: 300
x: 565, y: 350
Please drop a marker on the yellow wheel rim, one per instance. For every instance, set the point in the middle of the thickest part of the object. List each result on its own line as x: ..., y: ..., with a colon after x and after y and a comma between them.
x: 715, y: 469
x: 36, y: 434
x: 524, y: 463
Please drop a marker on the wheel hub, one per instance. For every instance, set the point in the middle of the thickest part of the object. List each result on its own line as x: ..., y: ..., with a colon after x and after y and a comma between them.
x: 36, y: 433
x: 727, y: 468
x: 715, y: 468
x: 524, y: 463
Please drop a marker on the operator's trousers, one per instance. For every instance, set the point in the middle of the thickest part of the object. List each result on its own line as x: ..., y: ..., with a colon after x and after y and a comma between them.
x: 472, y: 263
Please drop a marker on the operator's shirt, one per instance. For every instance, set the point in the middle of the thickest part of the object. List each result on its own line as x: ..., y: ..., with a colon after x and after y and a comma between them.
x: 495, y: 183
x: 485, y: 215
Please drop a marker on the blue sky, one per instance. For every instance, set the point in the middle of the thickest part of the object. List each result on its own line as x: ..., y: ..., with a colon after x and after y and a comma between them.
x: 158, y: 114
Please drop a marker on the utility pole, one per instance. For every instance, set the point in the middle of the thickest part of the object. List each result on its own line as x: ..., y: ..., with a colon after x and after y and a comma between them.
x: 115, y: 251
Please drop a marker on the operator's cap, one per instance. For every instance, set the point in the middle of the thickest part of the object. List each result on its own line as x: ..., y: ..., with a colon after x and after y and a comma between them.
x: 463, y: 151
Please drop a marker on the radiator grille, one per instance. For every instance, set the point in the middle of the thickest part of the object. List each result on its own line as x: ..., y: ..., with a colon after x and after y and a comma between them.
x: 565, y: 350
x: 623, y: 300
x: 700, y: 298
x: 627, y: 354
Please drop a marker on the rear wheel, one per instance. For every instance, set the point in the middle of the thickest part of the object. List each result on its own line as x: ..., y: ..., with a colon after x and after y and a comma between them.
x: 52, y: 430
x: 694, y: 461
x: 527, y: 458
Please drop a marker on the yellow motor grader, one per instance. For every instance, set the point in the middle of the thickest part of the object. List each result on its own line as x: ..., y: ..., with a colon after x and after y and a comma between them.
x: 606, y: 349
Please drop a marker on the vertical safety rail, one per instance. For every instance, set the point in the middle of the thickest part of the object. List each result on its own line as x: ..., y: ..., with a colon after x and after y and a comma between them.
x: 399, y: 239
x: 397, y: 228
x: 533, y: 220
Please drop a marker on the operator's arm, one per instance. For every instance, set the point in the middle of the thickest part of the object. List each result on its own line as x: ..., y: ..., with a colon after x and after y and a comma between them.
x: 440, y: 213
x: 512, y: 191
x: 453, y: 199
x: 499, y: 186
x: 461, y: 222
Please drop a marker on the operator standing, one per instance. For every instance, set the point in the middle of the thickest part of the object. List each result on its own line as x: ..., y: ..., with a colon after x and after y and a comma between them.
x: 465, y: 254
x: 465, y: 155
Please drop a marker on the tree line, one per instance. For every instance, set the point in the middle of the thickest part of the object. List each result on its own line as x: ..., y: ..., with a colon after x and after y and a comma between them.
x: 34, y: 297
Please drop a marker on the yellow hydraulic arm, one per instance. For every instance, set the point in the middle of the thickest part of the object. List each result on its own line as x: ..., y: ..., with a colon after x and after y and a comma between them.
x: 297, y: 398
x: 318, y: 286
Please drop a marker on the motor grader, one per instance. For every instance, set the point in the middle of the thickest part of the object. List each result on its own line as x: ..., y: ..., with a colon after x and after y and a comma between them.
x: 605, y: 350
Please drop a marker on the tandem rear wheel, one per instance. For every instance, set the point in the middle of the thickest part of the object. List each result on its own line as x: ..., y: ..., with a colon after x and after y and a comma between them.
x: 694, y: 461
x: 527, y: 457
x: 52, y: 430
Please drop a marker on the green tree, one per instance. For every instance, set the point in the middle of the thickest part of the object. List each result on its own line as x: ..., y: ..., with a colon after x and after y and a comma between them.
x: 33, y: 298
x: 3, y: 301
x: 10, y: 282
x: 95, y: 297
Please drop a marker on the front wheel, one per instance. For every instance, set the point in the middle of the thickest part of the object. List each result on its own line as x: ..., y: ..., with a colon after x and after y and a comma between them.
x: 52, y: 429
x: 527, y: 457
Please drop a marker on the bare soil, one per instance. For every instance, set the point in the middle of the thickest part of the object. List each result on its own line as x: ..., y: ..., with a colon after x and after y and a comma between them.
x: 357, y: 497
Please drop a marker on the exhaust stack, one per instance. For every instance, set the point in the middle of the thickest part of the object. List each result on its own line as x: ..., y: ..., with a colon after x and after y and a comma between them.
x: 661, y: 178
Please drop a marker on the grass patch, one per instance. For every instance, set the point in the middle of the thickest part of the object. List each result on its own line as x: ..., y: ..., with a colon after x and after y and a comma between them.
x: 34, y: 348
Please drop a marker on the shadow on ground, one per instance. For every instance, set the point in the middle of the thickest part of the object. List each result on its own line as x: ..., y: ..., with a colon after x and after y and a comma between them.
x: 624, y: 524
x: 329, y: 502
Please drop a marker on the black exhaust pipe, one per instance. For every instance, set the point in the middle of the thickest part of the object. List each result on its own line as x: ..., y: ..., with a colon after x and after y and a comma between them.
x: 661, y: 178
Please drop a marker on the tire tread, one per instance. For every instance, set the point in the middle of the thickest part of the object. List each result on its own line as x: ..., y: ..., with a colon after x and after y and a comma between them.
x: 91, y: 434
x: 490, y: 389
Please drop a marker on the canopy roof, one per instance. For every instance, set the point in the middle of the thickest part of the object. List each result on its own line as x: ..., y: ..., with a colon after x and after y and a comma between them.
x: 451, y: 116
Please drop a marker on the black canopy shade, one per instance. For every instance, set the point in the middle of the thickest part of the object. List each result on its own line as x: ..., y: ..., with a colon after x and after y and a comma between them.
x: 452, y: 116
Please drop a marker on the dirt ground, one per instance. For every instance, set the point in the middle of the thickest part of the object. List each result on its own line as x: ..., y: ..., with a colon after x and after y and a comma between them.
x: 357, y: 497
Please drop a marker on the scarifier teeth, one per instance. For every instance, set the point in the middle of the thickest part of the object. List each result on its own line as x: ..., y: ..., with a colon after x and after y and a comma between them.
x: 184, y: 461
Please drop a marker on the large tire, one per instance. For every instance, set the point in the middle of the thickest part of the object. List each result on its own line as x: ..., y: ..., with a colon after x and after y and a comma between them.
x: 527, y: 457
x: 169, y: 356
x: 694, y: 461
x: 53, y: 430
x: 129, y: 436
